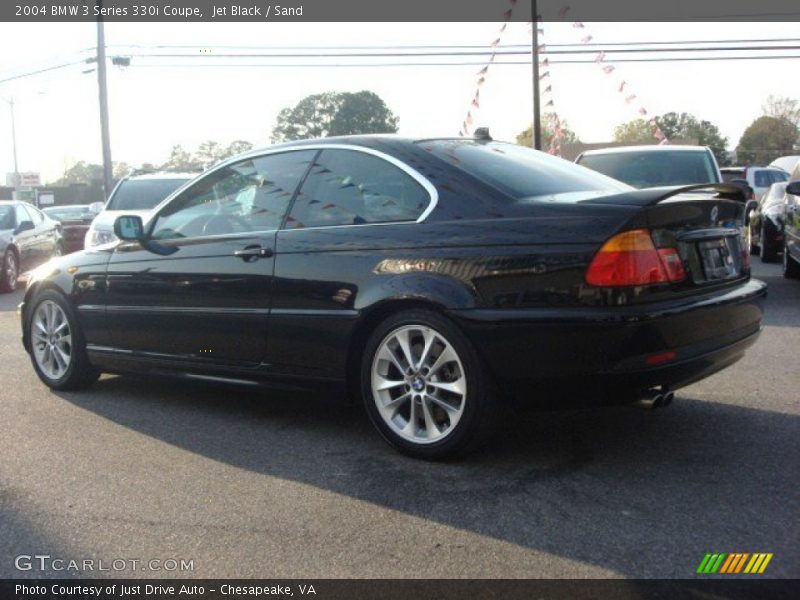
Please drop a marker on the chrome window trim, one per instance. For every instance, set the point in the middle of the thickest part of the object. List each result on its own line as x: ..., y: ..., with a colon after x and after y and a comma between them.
x: 413, y: 173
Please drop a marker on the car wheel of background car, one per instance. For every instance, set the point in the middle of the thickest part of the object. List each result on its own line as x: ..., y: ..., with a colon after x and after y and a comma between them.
x: 58, y: 351
x: 424, y: 386
x: 768, y: 250
x: 791, y: 269
x: 10, y: 272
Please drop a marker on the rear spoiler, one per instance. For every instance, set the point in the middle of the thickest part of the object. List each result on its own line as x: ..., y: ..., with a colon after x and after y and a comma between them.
x: 652, y: 196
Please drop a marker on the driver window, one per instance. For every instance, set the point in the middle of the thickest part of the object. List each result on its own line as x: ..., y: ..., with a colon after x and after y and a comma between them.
x: 250, y: 195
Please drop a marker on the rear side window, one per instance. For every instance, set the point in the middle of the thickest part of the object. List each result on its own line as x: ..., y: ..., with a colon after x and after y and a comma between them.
x: 520, y: 172
x: 348, y: 187
x: 654, y: 168
x: 767, y: 178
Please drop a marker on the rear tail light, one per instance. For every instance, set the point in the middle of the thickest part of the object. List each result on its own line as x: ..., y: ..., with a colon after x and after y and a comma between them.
x: 630, y: 258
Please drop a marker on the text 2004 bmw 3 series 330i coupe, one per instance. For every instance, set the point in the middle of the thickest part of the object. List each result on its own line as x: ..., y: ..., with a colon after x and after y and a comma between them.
x: 439, y: 280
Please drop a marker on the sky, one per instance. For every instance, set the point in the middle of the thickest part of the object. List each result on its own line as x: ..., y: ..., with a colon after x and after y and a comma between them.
x: 157, y: 103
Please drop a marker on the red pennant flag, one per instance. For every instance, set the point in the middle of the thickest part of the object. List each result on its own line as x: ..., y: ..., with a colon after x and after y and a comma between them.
x: 476, y: 100
x: 503, y: 28
x: 329, y: 205
x: 642, y: 110
x: 577, y: 25
x: 483, y: 70
x: 507, y: 14
x: 545, y: 62
x: 469, y: 119
x: 543, y: 75
x: 608, y: 69
x: 550, y: 103
x: 494, y: 43
x: 586, y: 39
x: 630, y: 98
x: 601, y: 56
x: 492, y: 57
x: 549, y: 88
x: 562, y: 13
x: 622, y: 86
x: 481, y: 81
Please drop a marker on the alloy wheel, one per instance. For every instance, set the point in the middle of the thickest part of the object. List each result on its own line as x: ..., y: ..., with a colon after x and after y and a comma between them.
x: 12, y: 271
x: 51, y: 338
x: 418, y: 384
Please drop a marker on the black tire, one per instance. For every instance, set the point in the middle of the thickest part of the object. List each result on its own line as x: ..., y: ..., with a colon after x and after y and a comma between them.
x: 791, y: 269
x: 80, y: 373
x: 480, y: 410
x: 769, y: 250
x: 8, y: 282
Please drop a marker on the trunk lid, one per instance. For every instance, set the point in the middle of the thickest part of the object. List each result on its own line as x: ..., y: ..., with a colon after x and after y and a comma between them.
x: 704, y: 223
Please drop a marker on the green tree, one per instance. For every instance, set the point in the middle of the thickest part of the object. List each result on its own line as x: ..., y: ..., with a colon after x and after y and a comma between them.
x: 548, y: 129
x: 637, y: 131
x: 181, y: 159
x: 237, y: 147
x: 783, y: 108
x: 80, y: 172
x: 676, y: 126
x: 766, y: 139
x: 331, y: 113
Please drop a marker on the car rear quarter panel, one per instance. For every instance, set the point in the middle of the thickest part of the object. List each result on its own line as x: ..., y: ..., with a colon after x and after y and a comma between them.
x: 330, y: 280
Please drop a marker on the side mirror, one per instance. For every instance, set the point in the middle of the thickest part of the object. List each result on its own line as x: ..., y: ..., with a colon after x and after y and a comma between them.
x: 24, y: 226
x: 793, y: 188
x: 129, y: 228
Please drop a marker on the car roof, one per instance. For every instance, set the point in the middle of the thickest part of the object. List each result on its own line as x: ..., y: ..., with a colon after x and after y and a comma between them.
x: 163, y: 175
x: 644, y: 148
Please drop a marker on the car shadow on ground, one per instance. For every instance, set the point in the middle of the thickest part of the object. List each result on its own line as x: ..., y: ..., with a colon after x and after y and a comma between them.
x: 642, y: 493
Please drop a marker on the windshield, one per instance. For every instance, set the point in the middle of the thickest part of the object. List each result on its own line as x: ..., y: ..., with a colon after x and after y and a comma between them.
x: 521, y: 172
x: 6, y: 217
x: 70, y: 213
x: 142, y: 194
x: 654, y: 168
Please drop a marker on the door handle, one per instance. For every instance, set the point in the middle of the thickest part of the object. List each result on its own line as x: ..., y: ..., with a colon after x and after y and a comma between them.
x: 254, y: 253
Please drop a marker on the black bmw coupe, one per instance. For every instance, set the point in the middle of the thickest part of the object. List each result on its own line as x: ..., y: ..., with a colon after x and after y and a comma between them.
x: 438, y: 280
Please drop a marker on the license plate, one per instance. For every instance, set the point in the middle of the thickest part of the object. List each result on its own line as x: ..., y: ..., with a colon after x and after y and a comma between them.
x: 718, y: 260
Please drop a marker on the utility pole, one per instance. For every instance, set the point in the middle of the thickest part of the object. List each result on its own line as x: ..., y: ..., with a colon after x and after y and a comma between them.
x: 536, y: 138
x: 14, y: 143
x: 108, y: 178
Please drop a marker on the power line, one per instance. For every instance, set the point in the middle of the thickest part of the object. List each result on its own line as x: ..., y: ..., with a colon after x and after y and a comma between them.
x: 44, y: 70
x: 456, y: 64
x: 440, y: 46
x: 395, y: 64
x: 488, y: 51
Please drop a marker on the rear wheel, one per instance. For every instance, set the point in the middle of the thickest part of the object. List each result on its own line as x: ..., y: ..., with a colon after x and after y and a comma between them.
x: 791, y: 269
x: 58, y: 350
x: 9, y: 272
x: 424, y: 387
x: 769, y: 250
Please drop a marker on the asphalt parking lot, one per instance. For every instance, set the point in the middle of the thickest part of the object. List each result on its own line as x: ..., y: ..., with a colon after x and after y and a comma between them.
x: 248, y: 483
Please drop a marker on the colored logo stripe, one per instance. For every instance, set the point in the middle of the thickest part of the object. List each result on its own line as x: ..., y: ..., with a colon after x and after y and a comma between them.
x: 711, y: 563
x: 758, y: 563
x: 734, y: 563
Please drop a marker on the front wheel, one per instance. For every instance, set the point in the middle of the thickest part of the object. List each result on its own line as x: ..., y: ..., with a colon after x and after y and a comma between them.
x: 425, y: 388
x: 58, y: 350
x: 9, y: 272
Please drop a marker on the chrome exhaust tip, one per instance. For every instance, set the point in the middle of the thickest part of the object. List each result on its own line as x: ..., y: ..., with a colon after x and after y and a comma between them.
x: 655, y: 398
